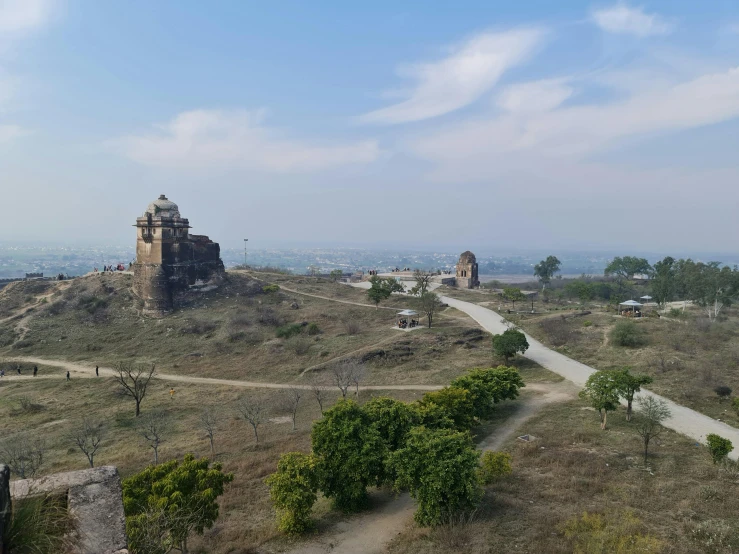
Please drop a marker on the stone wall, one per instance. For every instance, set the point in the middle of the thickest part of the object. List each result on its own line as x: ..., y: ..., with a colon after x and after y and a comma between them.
x: 94, y: 500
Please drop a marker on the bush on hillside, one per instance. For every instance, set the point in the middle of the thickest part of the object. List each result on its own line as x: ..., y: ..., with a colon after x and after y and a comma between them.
x: 289, y: 330
x: 629, y: 334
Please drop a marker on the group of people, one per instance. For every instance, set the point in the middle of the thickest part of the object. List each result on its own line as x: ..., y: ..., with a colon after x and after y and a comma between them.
x: 35, y: 371
x: 111, y: 268
x: 403, y: 323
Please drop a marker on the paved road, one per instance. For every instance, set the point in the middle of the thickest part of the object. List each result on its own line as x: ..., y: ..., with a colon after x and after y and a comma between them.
x: 684, y: 420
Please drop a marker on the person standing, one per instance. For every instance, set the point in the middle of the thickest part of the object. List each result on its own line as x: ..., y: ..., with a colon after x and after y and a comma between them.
x: 97, y: 374
x: 171, y: 393
x: 18, y: 367
x: 35, y: 370
x: 67, y: 375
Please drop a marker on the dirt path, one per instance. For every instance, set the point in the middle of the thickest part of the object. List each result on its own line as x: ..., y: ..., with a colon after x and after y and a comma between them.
x: 85, y: 370
x: 337, y: 299
x: 371, y: 532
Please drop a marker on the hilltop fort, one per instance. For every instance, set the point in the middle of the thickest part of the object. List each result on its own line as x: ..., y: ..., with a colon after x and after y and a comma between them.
x: 169, y: 258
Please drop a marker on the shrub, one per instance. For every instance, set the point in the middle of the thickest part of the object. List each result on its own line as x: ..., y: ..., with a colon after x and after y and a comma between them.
x: 619, y: 534
x: 587, y: 323
x: 287, y: 331
x: 92, y: 304
x: 313, y: 329
x: 719, y: 447
x: 439, y: 468
x: 352, y: 327
x: 628, y: 333
x: 241, y: 320
x: 199, y: 327
x: 493, y: 466
x: 558, y: 331
x: 267, y: 316
x: 270, y: 289
x: 26, y: 343
x: 509, y: 343
x: 735, y: 405
x: 293, y: 490
x: 675, y: 312
x: 456, y: 403
x: 299, y: 345
x: 39, y: 524
x: 722, y: 391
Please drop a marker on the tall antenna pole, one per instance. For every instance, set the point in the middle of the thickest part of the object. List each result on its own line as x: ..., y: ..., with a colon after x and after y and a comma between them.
x: 245, y: 241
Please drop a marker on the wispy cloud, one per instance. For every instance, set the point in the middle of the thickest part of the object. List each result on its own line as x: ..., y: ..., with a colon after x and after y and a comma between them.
x: 449, y: 84
x: 525, y: 137
x: 535, y: 96
x: 237, y: 139
x: 625, y: 19
x: 20, y: 16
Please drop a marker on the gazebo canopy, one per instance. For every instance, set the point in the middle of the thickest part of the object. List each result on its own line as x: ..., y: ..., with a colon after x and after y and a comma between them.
x: 630, y: 303
x: 407, y: 313
x: 645, y: 298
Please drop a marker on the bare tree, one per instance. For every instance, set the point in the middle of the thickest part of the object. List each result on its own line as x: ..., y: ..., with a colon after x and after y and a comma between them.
x: 651, y: 413
x: 318, y: 390
x: 423, y: 280
x: 290, y: 402
x: 134, y: 380
x: 429, y: 303
x: 343, y: 376
x: 359, y: 372
x: 254, y: 412
x: 208, y: 421
x: 152, y: 429
x: 24, y: 455
x: 88, y: 438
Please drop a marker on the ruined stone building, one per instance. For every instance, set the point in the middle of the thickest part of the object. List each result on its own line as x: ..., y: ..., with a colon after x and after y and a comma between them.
x: 169, y: 258
x: 467, y: 271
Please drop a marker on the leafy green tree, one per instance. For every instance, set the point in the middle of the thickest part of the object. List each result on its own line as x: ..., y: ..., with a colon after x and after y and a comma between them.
x: 602, y: 392
x: 719, y: 447
x: 336, y: 274
x: 393, y: 420
x: 350, y: 454
x: 182, y: 495
x: 428, y: 303
x: 663, y: 281
x: 457, y: 404
x: 629, y: 385
x: 513, y: 295
x: 628, y: 333
x: 381, y: 289
x: 493, y: 466
x: 580, y: 290
x: 439, y: 468
x: 650, y: 415
x: 292, y: 489
x: 489, y: 386
x: 546, y: 269
x: 509, y: 343
x: 712, y: 287
x: 627, y: 267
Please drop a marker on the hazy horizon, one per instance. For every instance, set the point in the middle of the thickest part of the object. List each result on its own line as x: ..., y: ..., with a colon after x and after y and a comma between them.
x: 545, y: 127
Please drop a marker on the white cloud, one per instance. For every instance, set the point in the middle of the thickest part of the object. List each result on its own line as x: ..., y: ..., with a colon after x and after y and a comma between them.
x: 19, y: 16
x: 624, y: 19
x: 237, y: 139
x: 459, y: 79
x: 524, y: 138
x: 536, y: 96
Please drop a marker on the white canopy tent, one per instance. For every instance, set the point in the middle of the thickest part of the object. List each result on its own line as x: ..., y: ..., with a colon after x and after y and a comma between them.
x: 407, y: 318
x: 631, y: 306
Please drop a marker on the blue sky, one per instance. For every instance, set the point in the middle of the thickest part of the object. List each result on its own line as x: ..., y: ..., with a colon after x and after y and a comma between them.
x: 437, y: 125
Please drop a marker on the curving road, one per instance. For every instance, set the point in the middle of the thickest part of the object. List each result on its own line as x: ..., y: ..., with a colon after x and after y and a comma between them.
x: 684, y: 420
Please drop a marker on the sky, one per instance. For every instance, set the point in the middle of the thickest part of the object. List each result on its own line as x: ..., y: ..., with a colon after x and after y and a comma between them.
x: 435, y: 125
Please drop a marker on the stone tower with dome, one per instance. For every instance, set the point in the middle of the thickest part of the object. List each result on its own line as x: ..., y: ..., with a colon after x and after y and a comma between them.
x: 168, y: 258
x: 467, y: 277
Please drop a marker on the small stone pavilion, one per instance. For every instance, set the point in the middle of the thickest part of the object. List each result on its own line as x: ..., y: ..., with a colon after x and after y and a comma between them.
x: 467, y: 277
x: 169, y: 258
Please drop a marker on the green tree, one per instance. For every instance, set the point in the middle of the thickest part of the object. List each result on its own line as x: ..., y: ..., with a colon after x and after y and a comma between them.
x: 663, y: 281
x: 457, y: 404
x: 428, y: 303
x: 627, y: 267
x: 488, y: 387
x: 546, y: 269
x: 350, y: 455
x: 628, y: 333
x: 513, y: 295
x: 493, y: 466
x: 336, y: 274
x: 178, y: 497
x: 381, y: 289
x: 719, y: 447
x: 580, y: 289
x: 393, y: 420
x: 509, y: 343
x: 292, y: 489
x: 602, y: 392
x: 712, y: 287
x: 439, y: 468
x: 629, y: 385
x: 650, y: 415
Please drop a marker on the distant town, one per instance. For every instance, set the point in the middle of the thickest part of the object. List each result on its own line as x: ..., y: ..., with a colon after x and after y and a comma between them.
x: 16, y: 260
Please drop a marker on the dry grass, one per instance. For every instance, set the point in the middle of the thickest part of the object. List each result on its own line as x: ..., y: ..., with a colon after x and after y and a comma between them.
x: 681, y: 500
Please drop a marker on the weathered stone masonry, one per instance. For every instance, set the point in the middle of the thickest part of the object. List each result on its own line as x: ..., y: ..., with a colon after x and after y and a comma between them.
x: 168, y: 258
x: 467, y: 275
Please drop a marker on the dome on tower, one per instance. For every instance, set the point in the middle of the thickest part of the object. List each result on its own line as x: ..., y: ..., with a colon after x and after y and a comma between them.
x: 162, y: 207
x: 467, y: 258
